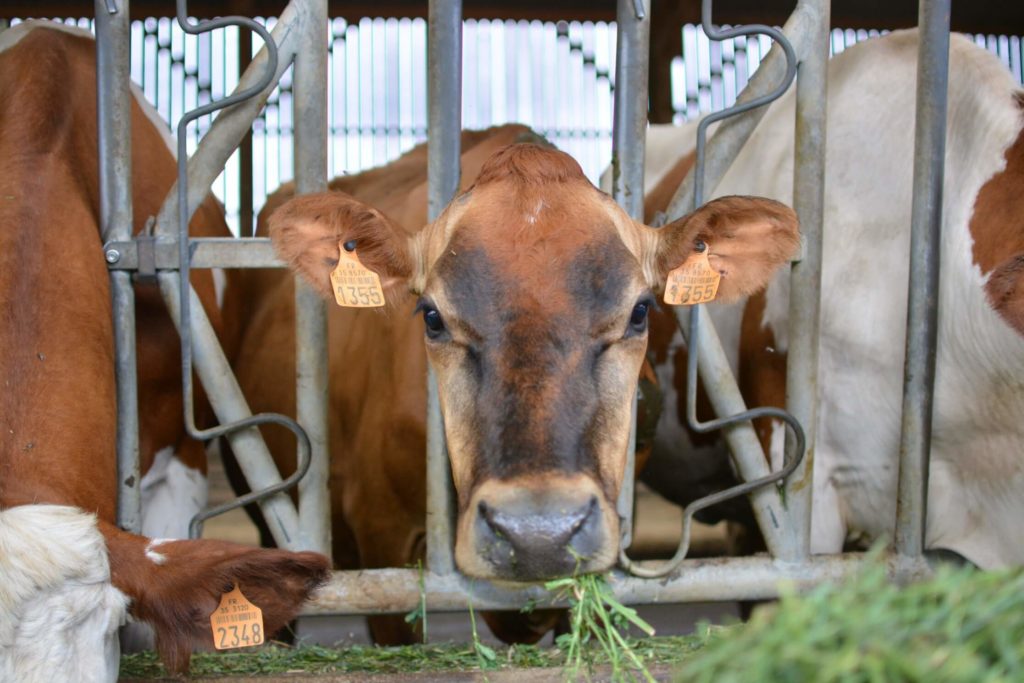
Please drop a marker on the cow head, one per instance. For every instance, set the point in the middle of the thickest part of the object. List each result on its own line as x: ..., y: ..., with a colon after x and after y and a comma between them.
x: 534, y: 289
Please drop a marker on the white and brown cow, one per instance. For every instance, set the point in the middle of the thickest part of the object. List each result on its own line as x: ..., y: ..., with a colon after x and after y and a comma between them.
x: 68, y: 575
x: 976, y: 490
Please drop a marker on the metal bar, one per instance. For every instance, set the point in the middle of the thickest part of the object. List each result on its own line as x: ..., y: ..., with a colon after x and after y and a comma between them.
x: 629, y: 131
x: 726, y: 399
x: 737, y: 578
x: 255, y: 87
x: 922, y: 298
x: 310, y: 86
x: 733, y: 133
x: 444, y: 68
x: 805, y: 274
x: 246, y: 213
x: 629, y: 127
x: 229, y: 404
x: 231, y: 124
x: 113, y: 50
x: 207, y: 252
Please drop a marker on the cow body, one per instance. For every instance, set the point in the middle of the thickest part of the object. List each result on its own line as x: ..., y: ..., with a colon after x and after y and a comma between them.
x: 57, y: 408
x: 976, y: 479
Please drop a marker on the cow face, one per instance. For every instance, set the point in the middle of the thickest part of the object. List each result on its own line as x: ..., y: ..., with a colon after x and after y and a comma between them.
x: 534, y: 289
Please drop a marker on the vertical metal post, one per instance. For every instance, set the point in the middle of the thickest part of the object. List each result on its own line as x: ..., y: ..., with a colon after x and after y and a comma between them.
x: 444, y: 70
x: 629, y: 131
x: 246, y: 227
x: 922, y: 299
x: 805, y: 275
x: 114, y: 123
x: 310, y: 85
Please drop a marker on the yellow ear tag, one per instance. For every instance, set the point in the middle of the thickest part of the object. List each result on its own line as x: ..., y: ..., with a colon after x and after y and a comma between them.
x: 236, y: 622
x: 694, y: 282
x: 355, y: 285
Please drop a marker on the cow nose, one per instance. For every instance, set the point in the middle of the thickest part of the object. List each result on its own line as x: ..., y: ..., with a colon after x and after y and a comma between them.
x: 536, y: 540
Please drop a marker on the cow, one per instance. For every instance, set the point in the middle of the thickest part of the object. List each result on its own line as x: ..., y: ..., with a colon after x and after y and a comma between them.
x: 976, y: 480
x: 68, y: 575
x: 534, y: 289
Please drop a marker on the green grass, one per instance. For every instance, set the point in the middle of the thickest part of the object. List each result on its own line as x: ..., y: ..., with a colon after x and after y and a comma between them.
x: 961, y: 626
x: 278, y: 659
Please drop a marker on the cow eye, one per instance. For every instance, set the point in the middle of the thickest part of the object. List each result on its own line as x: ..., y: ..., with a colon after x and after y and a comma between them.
x: 432, y: 320
x: 638, y: 319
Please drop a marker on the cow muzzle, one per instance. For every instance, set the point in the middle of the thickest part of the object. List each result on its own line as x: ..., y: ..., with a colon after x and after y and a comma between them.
x: 537, y: 528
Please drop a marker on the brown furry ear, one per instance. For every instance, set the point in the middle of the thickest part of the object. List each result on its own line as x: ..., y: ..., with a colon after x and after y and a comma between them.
x: 306, y: 232
x: 748, y: 238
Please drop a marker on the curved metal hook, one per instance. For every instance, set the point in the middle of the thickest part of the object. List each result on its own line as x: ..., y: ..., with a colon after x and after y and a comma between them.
x: 185, y: 264
x: 691, y: 369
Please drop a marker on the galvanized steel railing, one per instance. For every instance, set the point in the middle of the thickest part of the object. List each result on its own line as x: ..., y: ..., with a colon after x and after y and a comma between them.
x: 299, y: 35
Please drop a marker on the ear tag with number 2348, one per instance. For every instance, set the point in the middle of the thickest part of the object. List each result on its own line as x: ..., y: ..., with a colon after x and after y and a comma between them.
x: 355, y: 285
x: 694, y: 282
x: 236, y: 622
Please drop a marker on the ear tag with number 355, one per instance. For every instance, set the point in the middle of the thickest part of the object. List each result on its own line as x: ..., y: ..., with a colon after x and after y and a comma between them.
x: 355, y: 285
x: 236, y: 622
x: 694, y: 282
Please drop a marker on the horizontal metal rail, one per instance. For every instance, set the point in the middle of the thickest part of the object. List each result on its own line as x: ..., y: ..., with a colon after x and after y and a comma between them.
x: 207, y: 252
x: 379, y: 591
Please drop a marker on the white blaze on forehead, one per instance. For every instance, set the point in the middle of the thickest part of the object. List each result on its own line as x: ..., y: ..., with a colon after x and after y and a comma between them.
x: 59, y: 613
x: 533, y: 214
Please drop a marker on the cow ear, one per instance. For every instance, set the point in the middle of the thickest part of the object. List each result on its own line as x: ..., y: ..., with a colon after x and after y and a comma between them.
x: 747, y: 239
x: 309, y: 231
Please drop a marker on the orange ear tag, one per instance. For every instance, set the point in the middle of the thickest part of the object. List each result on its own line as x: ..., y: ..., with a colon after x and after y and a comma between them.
x: 355, y: 285
x: 694, y: 282
x: 236, y: 622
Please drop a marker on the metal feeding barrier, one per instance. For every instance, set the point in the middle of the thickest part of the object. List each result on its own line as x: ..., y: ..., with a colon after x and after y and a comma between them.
x: 299, y: 37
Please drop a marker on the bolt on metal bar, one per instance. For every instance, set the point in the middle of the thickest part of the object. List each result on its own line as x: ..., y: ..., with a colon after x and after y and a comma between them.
x: 444, y: 69
x: 923, y: 289
x: 805, y: 274
x: 310, y: 87
x: 113, y: 35
x: 207, y: 252
x: 629, y: 130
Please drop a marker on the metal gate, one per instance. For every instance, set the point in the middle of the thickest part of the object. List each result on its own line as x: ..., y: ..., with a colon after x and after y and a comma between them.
x: 297, y: 38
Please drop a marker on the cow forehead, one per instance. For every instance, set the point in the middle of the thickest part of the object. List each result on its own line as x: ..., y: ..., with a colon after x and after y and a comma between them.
x: 551, y: 251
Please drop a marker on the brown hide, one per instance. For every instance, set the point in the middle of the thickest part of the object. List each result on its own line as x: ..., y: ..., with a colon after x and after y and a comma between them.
x: 57, y: 407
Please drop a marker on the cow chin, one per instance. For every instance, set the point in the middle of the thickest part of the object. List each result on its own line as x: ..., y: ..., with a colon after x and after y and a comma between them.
x: 536, y: 528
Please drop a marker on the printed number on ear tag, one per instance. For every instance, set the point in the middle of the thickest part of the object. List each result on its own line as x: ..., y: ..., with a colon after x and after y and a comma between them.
x: 694, y: 282
x: 355, y: 285
x: 236, y: 622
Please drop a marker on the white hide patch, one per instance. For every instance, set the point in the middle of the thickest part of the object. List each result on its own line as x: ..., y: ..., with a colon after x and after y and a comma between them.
x: 152, y: 551
x: 171, y: 495
x: 59, y: 613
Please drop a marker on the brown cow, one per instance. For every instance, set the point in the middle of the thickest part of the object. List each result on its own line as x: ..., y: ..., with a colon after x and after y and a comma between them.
x: 534, y: 288
x: 67, y: 573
